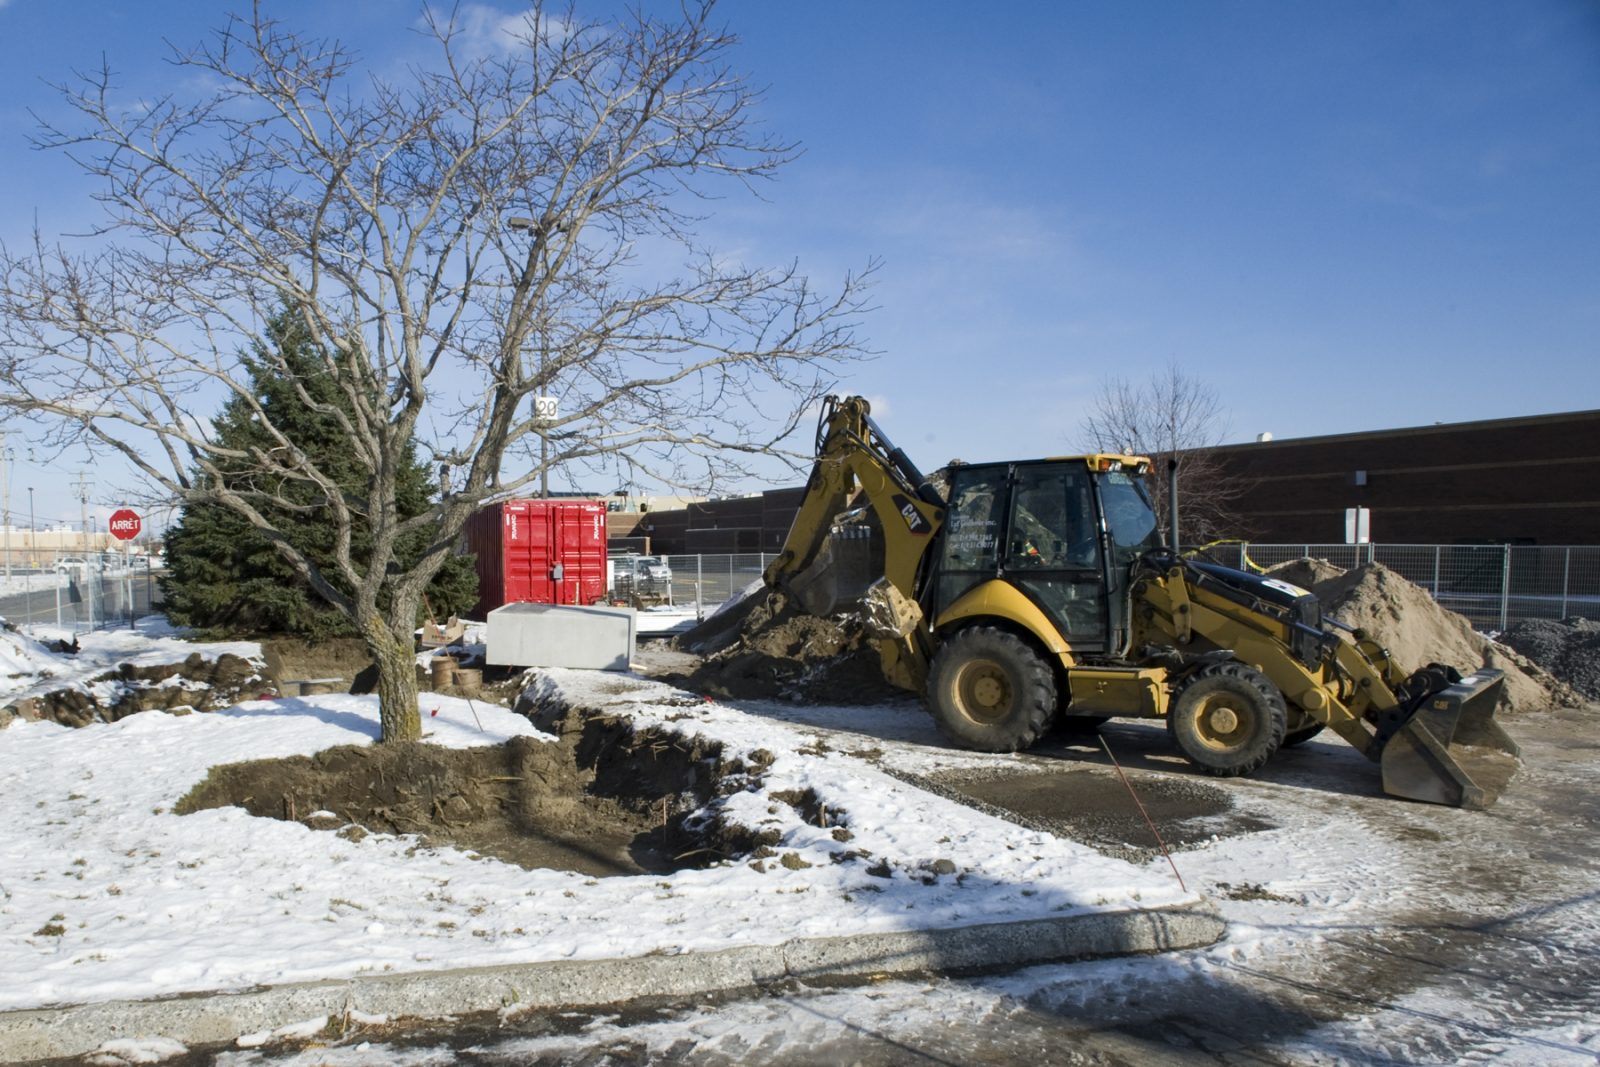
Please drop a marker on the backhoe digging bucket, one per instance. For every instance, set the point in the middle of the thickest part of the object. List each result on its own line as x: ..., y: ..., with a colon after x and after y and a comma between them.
x: 1451, y: 751
x: 838, y: 575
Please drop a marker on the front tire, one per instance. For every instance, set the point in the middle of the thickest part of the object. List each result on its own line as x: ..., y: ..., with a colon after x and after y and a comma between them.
x: 1228, y: 719
x: 990, y: 691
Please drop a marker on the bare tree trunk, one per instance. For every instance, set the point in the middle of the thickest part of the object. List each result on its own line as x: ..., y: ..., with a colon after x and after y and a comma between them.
x: 397, y: 677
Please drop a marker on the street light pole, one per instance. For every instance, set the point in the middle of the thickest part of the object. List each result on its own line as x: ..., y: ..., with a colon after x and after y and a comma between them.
x: 5, y: 493
x: 33, y: 537
x: 83, y: 527
x: 540, y: 417
x: 544, y: 441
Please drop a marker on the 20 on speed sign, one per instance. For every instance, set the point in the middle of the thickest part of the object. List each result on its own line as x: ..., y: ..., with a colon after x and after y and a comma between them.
x: 125, y: 524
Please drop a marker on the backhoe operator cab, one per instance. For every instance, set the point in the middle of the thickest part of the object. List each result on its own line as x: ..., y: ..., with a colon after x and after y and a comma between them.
x: 1063, y: 532
x: 1033, y: 590
x: 1030, y: 598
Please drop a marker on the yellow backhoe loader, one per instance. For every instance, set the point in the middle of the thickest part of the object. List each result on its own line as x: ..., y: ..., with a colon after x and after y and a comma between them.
x: 1028, y: 591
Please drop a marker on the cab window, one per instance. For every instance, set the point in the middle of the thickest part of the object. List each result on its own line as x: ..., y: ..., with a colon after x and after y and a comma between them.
x: 972, y: 528
x: 1052, y: 520
x: 1130, y: 519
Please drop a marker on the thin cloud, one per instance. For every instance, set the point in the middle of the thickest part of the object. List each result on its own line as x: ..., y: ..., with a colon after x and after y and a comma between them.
x: 484, y: 30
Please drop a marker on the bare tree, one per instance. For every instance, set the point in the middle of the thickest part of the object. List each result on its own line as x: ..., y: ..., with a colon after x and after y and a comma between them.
x: 491, y: 228
x: 1172, y: 415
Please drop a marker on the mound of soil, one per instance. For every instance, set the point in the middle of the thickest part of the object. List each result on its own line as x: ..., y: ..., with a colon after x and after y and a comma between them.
x: 1306, y: 572
x: 603, y: 800
x: 1406, y: 620
x: 346, y: 658
x: 1569, y: 649
x: 768, y: 648
x: 196, y: 684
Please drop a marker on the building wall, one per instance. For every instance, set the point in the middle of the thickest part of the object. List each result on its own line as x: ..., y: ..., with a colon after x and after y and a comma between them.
x: 29, y: 548
x: 1526, y: 480
x: 757, y: 523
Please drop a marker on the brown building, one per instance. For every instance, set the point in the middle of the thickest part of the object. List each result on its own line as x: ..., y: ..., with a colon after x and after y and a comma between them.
x: 1533, y: 480
x: 747, y: 524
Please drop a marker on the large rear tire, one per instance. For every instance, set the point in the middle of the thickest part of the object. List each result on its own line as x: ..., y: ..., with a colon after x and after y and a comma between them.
x: 990, y: 691
x: 1228, y: 719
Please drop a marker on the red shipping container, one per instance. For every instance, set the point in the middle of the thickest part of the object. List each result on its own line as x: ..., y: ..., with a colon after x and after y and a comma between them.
x: 539, y: 551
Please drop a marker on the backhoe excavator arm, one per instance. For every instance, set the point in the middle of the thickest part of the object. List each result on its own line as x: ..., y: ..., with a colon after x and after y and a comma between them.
x: 858, y: 467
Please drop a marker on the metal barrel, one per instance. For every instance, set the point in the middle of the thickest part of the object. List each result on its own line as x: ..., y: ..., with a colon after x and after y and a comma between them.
x: 1451, y: 751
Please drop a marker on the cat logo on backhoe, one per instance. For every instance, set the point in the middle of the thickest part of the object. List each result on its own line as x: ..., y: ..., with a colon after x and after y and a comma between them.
x: 914, y: 520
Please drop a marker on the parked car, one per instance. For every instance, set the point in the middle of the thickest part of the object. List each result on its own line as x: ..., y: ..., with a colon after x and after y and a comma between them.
x: 64, y: 564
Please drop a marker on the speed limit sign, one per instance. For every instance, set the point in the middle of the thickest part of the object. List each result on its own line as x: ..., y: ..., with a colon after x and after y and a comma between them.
x: 544, y: 408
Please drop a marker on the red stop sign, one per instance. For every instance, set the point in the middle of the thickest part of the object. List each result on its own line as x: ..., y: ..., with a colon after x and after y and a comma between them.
x: 125, y: 524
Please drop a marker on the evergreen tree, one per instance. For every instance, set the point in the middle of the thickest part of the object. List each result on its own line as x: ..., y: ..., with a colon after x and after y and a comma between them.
x: 224, y: 575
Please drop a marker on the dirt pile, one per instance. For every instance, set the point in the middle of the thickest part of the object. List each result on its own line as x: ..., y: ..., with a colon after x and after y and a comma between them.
x: 196, y: 684
x: 345, y: 658
x: 1407, y: 621
x: 1306, y: 572
x: 1568, y: 649
x: 770, y: 649
x: 604, y: 799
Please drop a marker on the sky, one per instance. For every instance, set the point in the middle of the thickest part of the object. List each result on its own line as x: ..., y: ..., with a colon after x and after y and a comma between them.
x: 1341, y: 217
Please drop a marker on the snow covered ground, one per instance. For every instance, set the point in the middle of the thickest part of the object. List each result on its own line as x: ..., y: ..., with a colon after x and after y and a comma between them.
x: 107, y: 894
x: 28, y: 666
x: 25, y: 583
x: 1361, y: 929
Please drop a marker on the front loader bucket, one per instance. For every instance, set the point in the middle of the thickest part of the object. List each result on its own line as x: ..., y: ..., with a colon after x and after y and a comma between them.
x: 1451, y: 751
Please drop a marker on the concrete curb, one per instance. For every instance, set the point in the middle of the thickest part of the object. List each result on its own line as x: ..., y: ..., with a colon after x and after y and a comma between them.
x: 210, y: 1018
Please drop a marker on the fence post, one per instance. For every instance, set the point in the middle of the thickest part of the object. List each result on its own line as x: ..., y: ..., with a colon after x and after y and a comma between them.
x: 1436, y: 550
x: 699, y: 575
x: 1566, y: 571
x: 1505, y: 586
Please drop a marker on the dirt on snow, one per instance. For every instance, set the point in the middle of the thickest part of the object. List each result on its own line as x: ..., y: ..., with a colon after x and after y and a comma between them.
x: 602, y: 799
x: 766, y: 647
x: 196, y: 684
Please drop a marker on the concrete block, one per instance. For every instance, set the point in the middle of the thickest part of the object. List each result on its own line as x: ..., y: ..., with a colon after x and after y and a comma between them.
x: 561, y: 635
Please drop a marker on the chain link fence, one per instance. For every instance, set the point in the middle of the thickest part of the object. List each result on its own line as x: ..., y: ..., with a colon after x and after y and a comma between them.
x: 704, y: 581
x: 1492, y: 585
x: 79, y: 595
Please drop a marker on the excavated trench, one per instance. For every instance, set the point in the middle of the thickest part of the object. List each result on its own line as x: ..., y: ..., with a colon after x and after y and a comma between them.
x: 601, y: 799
